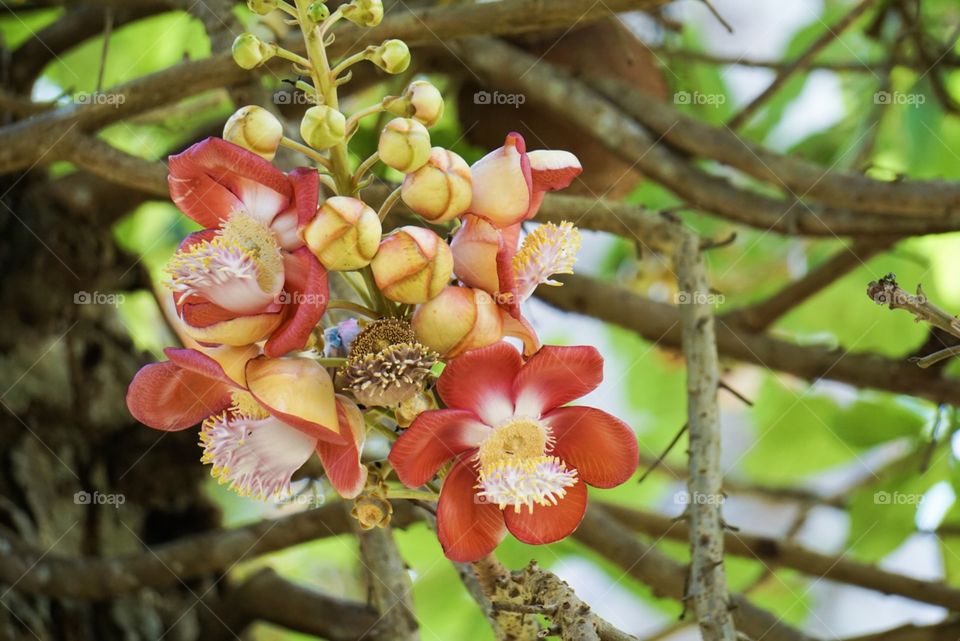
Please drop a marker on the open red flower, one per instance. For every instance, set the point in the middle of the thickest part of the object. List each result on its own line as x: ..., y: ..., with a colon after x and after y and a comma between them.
x: 262, y: 418
x: 248, y: 275
x: 521, y: 460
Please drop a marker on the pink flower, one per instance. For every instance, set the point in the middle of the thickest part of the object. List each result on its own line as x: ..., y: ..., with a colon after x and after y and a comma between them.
x: 521, y: 459
x: 509, y: 183
x: 262, y: 418
x: 248, y: 275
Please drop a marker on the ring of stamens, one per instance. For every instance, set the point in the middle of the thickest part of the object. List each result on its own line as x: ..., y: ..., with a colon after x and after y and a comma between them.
x: 514, y: 468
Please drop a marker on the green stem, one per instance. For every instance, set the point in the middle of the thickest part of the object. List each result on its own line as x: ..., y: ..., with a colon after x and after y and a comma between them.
x: 413, y: 495
x: 365, y: 166
x: 360, y: 290
x: 379, y: 302
x: 353, y: 122
x: 331, y: 362
x: 292, y: 57
x: 353, y: 307
x: 347, y: 62
x: 309, y: 152
x: 388, y: 203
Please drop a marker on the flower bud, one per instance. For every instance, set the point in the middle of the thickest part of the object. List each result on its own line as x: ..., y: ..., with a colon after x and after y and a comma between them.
x: 364, y: 13
x: 318, y: 11
x: 411, y: 408
x: 404, y: 145
x: 262, y: 7
x: 421, y: 101
x: 393, y: 56
x: 412, y: 265
x: 372, y: 511
x: 441, y: 190
x: 344, y: 235
x: 475, y: 247
x: 255, y: 129
x: 457, y: 320
x: 250, y: 51
x: 323, y: 127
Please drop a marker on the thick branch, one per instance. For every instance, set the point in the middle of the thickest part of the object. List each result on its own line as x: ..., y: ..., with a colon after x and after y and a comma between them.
x: 659, y: 322
x: 708, y: 583
x: 617, y: 543
x: 778, y: 552
x: 388, y: 583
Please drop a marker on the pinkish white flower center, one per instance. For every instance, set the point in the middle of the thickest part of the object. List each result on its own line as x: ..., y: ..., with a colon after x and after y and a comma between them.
x: 239, y: 269
x: 256, y: 456
x: 514, y: 468
x: 550, y: 249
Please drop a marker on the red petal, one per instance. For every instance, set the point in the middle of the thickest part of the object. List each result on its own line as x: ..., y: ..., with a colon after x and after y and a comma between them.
x: 555, y: 376
x: 307, y: 295
x: 214, y: 178
x: 168, y: 397
x: 306, y: 193
x: 552, y: 170
x: 547, y: 524
x: 467, y: 528
x: 199, y: 363
x: 520, y: 327
x: 508, y: 297
x: 602, y: 447
x: 435, y: 437
x: 481, y: 381
x: 341, y: 462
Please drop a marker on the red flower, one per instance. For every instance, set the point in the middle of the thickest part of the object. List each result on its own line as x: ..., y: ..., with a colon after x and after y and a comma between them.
x: 262, y: 418
x: 248, y: 275
x: 521, y: 459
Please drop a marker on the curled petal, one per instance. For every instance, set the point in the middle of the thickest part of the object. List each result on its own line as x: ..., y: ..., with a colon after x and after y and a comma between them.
x: 553, y: 169
x: 211, y: 325
x: 548, y: 523
x: 215, y: 178
x: 299, y: 392
x: 341, y: 462
x: 467, y: 527
x: 601, y: 447
x: 168, y: 397
x: 199, y: 363
x: 482, y: 381
x: 435, y: 437
x: 305, y: 294
x: 555, y: 376
x: 233, y: 360
x: 503, y: 184
x: 519, y: 327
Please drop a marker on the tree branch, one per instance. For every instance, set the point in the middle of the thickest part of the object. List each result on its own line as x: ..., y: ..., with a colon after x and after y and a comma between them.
x: 388, y: 583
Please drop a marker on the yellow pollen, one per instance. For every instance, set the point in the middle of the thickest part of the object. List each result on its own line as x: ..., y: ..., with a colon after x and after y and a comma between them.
x: 549, y: 249
x: 244, y: 404
x: 518, y: 439
x: 248, y: 233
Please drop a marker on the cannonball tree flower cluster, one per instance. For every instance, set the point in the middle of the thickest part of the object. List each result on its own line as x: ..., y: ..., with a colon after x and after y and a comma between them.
x: 419, y: 350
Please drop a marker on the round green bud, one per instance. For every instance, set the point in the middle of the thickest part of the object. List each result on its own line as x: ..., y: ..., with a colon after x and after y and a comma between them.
x: 404, y: 145
x: 250, y: 51
x: 364, y: 13
x: 318, y: 11
x: 393, y: 56
x: 323, y: 127
x: 262, y: 7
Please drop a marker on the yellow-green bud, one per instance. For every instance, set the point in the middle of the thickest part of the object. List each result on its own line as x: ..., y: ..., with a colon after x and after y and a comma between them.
x: 442, y: 189
x: 393, y: 56
x: 421, y: 101
x: 262, y: 7
x: 404, y: 145
x: 365, y: 13
x: 323, y: 127
x: 318, y: 11
x: 250, y: 51
x: 255, y: 129
x: 344, y: 235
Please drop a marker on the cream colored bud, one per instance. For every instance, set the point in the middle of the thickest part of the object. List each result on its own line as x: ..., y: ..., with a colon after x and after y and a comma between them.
x: 365, y: 13
x: 412, y: 265
x: 458, y: 320
x: 421, y: 101
x: 404, y: 145
x: 250, y: 51
x: 323, y: 127
x: 344, y: 235
x: 442, y: 189
x: 255, y: 129
x: 262, y: 7
x: 393, y: 56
